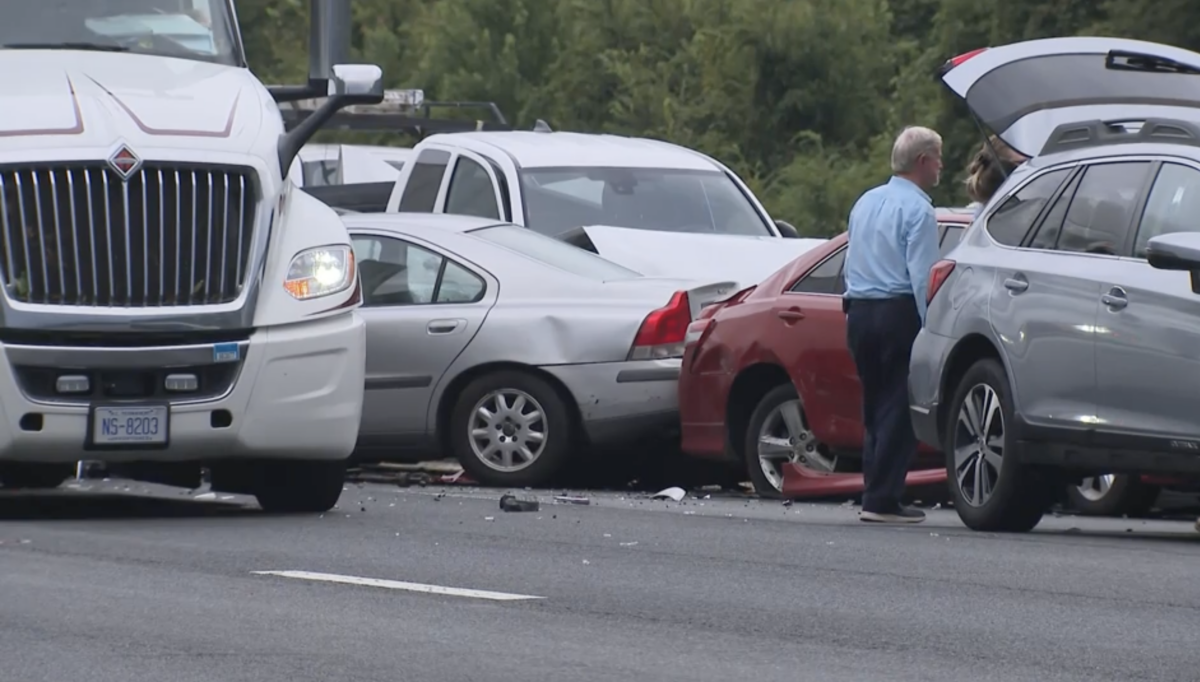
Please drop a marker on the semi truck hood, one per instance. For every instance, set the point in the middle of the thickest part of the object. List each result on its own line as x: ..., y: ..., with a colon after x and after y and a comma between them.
x: 92, y: 101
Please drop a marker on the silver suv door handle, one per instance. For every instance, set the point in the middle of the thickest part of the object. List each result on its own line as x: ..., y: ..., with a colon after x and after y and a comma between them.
x: 1115, y: 299
x: 1016, y: 285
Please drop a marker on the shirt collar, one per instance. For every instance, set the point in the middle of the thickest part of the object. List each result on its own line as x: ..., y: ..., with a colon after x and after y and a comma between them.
x: 905, y: 183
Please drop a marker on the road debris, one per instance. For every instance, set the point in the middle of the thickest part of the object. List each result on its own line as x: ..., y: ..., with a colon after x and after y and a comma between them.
x: 571, y: 499
x: 512, y: 503
x: 674, y: 494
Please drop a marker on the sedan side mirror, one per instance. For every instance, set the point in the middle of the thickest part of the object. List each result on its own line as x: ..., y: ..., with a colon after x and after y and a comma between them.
x: 1177, y: 251
x: 787, y: 230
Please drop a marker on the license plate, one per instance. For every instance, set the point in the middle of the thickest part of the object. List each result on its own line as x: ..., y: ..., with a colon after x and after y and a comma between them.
x: 130, y: 425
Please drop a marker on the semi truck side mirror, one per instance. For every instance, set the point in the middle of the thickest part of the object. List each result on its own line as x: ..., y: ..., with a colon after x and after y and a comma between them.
x: 328, y: 76
x: 350, y: 84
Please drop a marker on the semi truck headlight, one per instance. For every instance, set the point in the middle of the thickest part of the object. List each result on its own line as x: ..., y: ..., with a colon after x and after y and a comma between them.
x: 322, y: 271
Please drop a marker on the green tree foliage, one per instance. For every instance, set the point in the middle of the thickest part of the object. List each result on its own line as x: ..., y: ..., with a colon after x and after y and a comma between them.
x: 802, y: 98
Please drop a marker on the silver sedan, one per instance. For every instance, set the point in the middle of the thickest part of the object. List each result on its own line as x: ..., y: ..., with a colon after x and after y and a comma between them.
x: 510, y: 349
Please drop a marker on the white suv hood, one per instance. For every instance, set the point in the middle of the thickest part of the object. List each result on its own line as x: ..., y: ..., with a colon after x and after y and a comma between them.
x: 743, y: 260
x: 89, y: 102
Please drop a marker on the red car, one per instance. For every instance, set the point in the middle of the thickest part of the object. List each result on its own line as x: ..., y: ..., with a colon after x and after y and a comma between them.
x: 767, y: 377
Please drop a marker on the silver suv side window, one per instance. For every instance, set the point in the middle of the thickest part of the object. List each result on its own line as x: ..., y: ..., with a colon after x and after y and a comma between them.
x: 1100, y: 217
x: 1009, y: 223
x: 1173, y: 205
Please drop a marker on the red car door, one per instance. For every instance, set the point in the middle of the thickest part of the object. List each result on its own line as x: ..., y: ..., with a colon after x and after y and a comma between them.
x: 809, y: 337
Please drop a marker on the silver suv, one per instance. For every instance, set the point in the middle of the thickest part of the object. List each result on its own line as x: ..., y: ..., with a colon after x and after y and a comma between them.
x: 1063, y: 333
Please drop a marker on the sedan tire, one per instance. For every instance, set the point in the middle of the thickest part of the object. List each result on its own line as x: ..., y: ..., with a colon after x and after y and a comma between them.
x: 778, y: 434
x: 992, y: 490
x: 511, y: 429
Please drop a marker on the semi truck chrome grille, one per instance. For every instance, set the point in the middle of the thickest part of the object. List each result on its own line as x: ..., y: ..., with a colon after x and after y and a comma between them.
x: 166, y: 235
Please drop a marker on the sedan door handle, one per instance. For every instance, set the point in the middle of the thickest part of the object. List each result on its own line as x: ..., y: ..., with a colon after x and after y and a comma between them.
x: 1016, y: 285
x: 1115, y: 299
x: 790, y: 314
x: 443, y: 326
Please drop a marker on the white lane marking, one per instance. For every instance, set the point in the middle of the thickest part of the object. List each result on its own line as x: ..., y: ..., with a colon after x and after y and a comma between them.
x: 398, y: 585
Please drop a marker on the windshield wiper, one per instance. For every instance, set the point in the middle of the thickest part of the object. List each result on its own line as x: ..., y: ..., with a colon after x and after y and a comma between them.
x: 95, y: 47
x: 1121, y: 60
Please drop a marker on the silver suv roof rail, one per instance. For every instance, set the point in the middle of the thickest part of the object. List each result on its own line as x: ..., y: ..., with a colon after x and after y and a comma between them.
x: 1098, y: 133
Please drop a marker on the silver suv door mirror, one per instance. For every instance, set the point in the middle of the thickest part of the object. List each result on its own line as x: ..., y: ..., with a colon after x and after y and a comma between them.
x: 1176, y: 251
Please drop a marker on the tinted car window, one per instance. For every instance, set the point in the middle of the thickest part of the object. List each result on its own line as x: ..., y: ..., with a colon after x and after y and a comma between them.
x: 1101, y: 212
x: 471, y: 191
x: 424, y: 181
x: 1009, y: 223
x: 1173, y: 205
x: 826, y: 278
x: 554, y: 252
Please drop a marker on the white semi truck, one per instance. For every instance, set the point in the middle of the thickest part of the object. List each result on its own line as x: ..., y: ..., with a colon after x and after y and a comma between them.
x: 171, y: 302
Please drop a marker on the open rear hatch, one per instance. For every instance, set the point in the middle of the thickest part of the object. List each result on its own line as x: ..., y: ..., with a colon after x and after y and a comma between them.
x: 1023, y: 91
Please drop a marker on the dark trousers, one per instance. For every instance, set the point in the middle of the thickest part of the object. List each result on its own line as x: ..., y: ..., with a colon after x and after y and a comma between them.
x: 880, y: 334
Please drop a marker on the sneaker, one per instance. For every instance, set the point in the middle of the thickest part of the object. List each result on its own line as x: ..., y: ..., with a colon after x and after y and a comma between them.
x: 900, y: 515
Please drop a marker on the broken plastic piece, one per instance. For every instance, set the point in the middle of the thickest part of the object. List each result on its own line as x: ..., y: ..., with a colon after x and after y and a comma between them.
x: 570, y: 499
x: 674, y: 493
x: 512, y: 503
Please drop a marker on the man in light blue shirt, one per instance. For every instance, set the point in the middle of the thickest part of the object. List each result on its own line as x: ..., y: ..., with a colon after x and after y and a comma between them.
x: 893, y: 245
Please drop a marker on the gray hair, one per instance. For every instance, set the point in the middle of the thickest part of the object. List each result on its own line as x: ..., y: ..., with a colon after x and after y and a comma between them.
x: 911, y: 144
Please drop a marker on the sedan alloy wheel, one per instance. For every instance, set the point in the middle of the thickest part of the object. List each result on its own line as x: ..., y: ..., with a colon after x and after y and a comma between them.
x: 786, y: 438
x: 508, y: 429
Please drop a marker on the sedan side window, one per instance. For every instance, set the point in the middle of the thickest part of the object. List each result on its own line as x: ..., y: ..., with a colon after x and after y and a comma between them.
x: 826, y: 278
x: 1009, y: 223
x: 953, y: 235
x: 471, y: 191
x: 459, y: 285
x: 1173, y: 205
x: 394, y: 272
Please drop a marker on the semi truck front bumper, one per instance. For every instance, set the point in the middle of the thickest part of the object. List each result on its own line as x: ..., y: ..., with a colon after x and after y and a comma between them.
x: 287, y: 392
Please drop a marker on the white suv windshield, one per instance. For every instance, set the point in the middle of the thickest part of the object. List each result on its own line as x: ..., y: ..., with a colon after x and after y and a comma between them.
x: 554, y: 253
x: 190, y: 29
x: 666, y: 200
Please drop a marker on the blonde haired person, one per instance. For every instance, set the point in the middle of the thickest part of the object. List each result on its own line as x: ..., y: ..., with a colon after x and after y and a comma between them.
x: 988, y: 169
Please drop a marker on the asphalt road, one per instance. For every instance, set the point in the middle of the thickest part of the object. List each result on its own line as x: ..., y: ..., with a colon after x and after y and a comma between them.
x: 107, y: 584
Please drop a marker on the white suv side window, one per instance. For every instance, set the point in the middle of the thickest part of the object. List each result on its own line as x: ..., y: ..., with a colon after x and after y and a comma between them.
x: 1173, y: 205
